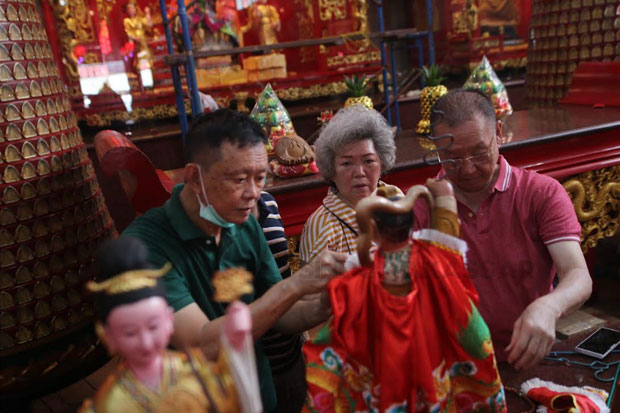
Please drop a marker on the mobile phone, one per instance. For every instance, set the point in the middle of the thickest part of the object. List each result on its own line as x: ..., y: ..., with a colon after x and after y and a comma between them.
x: 600, y: 343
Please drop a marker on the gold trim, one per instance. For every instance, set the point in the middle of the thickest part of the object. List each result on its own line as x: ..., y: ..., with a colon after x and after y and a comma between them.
x: 373, y: 56
x: 168, y: 111
x: 129, y: 281
x: 153, y: 112
x: 324, y: 89
x: 332, y: 9
x: 596, y: 198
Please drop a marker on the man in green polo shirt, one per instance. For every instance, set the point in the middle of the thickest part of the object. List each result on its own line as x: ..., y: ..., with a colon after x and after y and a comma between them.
x: 207, y: 225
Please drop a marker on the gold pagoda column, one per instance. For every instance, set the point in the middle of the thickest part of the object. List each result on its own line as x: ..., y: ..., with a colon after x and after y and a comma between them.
x: 52, y: 217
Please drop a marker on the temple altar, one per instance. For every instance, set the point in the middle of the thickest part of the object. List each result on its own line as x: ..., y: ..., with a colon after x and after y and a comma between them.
x: 112, y: 52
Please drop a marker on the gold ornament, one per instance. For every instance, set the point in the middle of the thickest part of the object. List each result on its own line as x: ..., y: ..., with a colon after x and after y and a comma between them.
x: 332, y: 9
x: 428, y: 97
x: 359, y: 100
x: 596, y: 198
x: 129, y: 281
x: 231, y: 284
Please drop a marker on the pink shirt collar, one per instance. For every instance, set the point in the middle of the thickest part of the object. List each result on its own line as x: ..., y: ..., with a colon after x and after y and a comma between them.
x: 503, y: 177
x: 503, y: 180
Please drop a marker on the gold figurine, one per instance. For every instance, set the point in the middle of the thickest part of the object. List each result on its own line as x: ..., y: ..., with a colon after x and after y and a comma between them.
x: 265, y: 19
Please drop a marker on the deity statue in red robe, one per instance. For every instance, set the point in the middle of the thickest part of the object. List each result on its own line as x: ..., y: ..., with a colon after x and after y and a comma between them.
x: 405, y: 335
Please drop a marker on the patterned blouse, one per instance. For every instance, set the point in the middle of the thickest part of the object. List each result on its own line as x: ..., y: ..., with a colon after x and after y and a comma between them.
x: 332, y: 226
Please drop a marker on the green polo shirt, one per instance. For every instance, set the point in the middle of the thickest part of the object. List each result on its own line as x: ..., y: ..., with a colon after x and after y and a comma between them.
x: 171, y: 236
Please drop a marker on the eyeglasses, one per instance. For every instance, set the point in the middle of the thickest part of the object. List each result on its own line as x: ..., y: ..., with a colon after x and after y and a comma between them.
x: 452, y: 164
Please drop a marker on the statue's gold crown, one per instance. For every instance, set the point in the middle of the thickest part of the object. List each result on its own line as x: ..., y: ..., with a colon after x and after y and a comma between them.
x: 231, y: 284
x: 129, y: 281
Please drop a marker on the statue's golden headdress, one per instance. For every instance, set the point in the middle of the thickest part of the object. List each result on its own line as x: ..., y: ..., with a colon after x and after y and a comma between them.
x: 129, y: 281
x: 125, y: 275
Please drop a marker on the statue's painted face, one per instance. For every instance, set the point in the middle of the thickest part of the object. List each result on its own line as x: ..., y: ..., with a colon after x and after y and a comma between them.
x: 139, y: 332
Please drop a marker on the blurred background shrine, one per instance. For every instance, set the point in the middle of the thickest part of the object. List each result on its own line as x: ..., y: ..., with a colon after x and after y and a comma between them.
x: 112, y: 52
x: 114, y: 58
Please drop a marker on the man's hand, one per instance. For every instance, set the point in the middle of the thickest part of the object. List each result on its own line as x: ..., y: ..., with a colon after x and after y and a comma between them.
x: 313, y: 277
x: 439, y: 187
x: 533, y: 334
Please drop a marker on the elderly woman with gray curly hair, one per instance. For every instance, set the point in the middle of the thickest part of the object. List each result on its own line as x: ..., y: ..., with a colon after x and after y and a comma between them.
x: 352, y: 151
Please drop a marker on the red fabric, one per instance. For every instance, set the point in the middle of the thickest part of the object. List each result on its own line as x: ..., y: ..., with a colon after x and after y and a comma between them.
x: 292, y: 171
x: 507, y: 239
x: 559, y: 401
x: 404, y: 353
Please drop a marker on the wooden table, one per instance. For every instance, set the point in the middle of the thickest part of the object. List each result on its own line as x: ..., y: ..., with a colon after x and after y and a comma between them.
x: 560, y: 373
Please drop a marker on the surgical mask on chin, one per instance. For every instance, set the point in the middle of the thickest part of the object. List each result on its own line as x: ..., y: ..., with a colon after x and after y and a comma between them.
x: 207, y: 211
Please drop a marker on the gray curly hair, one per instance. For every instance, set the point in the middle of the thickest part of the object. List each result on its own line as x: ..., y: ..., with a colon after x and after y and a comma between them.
x: 352, y: 124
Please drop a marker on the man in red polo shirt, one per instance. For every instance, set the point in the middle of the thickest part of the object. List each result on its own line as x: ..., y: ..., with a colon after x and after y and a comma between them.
x: 520, y: 227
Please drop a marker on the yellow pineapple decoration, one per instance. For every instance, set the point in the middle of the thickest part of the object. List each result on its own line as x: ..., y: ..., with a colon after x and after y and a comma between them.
x: 433, y: 76
x: 356, y: 88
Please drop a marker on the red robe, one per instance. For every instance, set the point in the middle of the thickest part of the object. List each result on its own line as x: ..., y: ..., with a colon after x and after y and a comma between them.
x: 427, y: 351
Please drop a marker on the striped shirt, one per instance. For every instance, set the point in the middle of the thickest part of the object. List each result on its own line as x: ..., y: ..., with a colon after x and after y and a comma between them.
x: 332, y: 226
x: 282, y: 350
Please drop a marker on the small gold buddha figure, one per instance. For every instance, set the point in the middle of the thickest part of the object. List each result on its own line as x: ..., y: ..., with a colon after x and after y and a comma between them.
x: 265, y: 19
x: 138, y: 27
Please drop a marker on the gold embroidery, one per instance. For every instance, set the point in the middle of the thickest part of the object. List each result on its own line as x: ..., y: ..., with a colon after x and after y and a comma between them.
x: 129, y: 281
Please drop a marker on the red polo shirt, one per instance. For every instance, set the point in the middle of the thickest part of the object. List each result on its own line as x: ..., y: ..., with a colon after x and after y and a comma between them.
x: 508, y: 258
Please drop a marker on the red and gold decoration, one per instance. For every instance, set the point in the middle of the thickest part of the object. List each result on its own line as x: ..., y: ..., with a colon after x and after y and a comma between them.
x: 553, y: 397
x: 563, y: 34
x: 495, y: 28
x: 484, y: 79
x: 369, y: 355
x: 105, y: 62
x: 52, y: 213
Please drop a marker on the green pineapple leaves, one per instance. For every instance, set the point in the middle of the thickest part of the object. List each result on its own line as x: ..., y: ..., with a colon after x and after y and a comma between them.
x: 433, y: 75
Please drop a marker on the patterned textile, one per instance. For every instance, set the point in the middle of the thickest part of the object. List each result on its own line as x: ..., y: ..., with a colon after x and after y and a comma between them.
x: 181, y: 388
x: 332, y: 226
x: 428, y: 351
